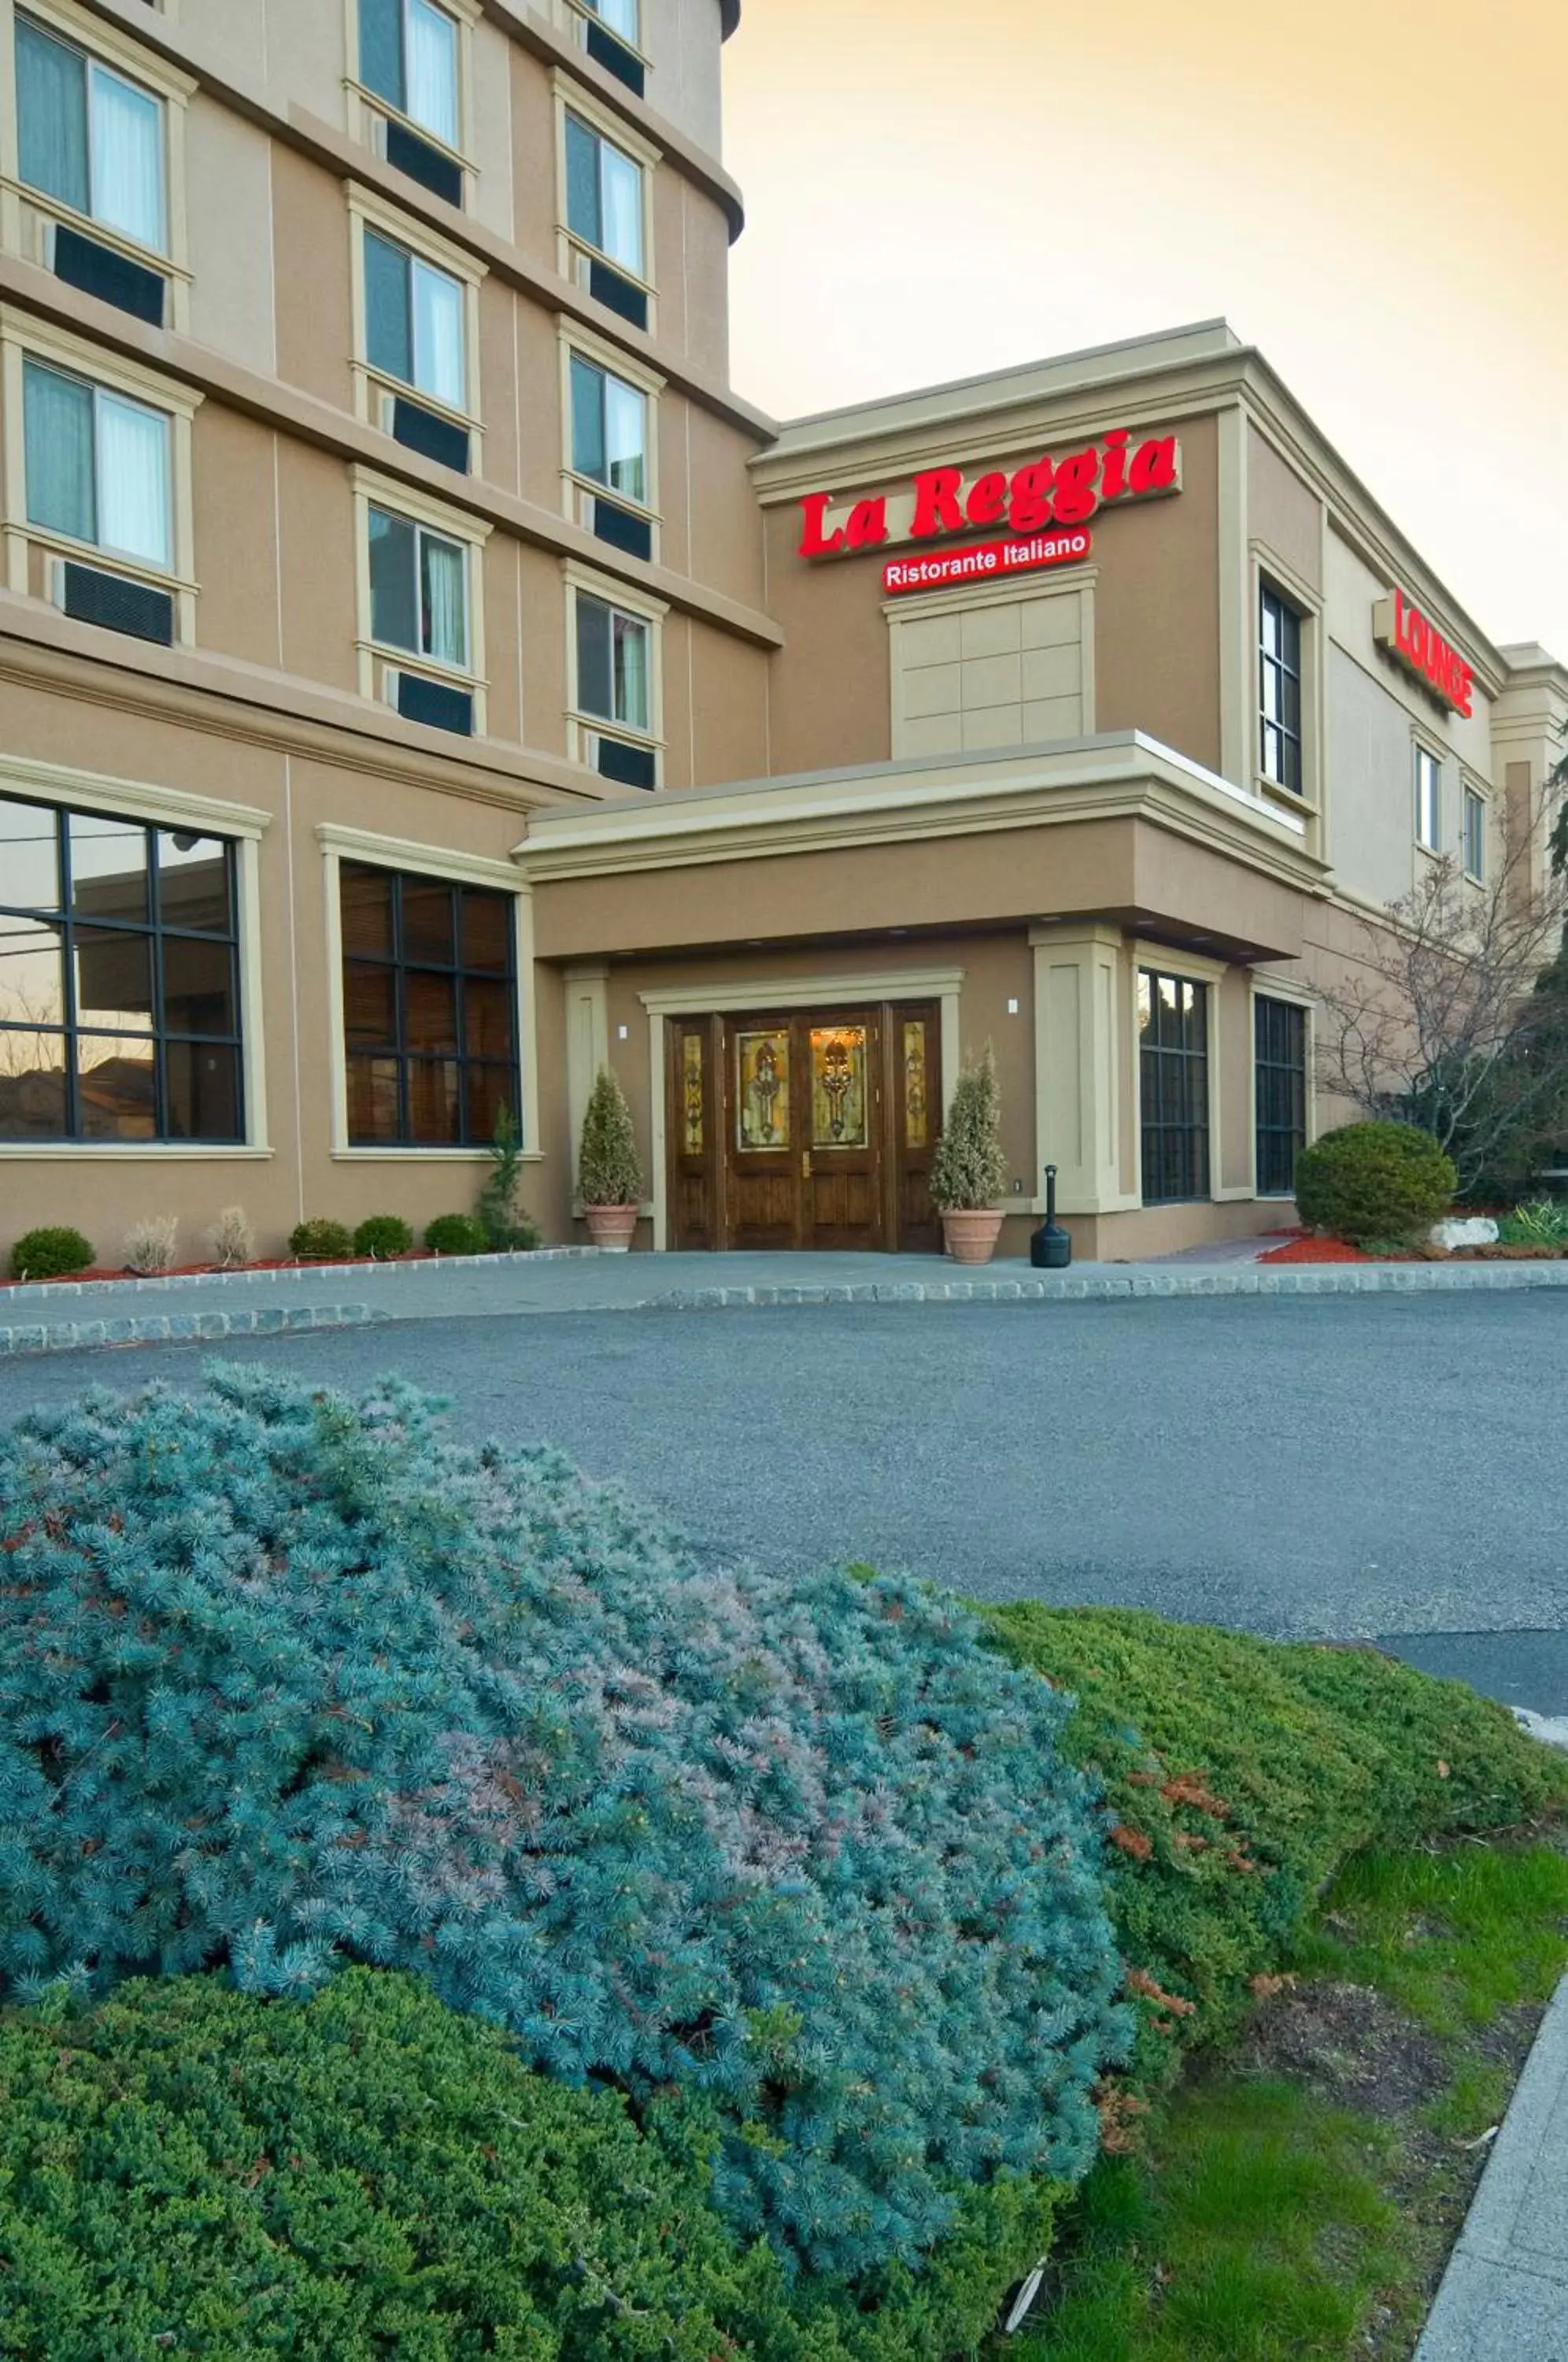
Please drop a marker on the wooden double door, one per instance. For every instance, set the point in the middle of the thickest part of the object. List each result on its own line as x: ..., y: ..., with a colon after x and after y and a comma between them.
x: 808, y: 1128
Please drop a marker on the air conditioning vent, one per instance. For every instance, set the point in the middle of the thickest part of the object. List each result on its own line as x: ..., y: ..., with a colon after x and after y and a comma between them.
x: 629, y: 767
x: 430, y: 701
x: 614, y: 56
x: 617, y: 294
x: 112, y: 600
x: 423, y: 430
x: 98, y: 271
x: 621, y: 528
x: 406, y: 152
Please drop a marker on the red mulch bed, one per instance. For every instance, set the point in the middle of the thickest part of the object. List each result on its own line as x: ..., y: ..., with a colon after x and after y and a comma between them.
x: 1304, y: 1249
x: 199, y: 1270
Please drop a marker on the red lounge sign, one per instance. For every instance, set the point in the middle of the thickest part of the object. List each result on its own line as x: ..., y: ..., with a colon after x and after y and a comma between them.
x: 984, y: 561
x: 1044, y: 492
x: 1419, y: 646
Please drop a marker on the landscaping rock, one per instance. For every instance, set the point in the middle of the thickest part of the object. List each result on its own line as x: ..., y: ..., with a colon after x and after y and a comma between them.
x: 1476, y: 1230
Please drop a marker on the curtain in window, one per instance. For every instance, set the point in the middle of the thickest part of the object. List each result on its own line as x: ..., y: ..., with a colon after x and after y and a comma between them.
x: 593, y: 667
x: 388, y: 329
x: 445, y: 581
x: 381, y: 48
x: 588, y: 455
x: 584, y: 216
x: 431, y: 51
x: 58, y: 438
x: 623, y: 203
x: 394, y: 618
x: 438, y: 335
x: 625, y: 436
x: 133, y: 479
x: 631, y: 672
x: 621, y: 15
x: 127, y: 159
x: 51, y: 117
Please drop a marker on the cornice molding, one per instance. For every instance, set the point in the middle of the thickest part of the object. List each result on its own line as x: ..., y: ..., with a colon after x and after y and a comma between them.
x: 286, y: 409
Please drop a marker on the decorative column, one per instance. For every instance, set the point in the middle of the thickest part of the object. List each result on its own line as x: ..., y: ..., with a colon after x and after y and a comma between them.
x: 1079, y: 1063
x: 587, y: 1046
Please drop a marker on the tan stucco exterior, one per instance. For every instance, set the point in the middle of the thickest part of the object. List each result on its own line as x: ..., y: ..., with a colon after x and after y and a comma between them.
x: 1002, y: 802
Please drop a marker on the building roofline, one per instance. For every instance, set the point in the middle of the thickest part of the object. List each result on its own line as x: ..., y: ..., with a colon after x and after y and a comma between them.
x: 729, y: 16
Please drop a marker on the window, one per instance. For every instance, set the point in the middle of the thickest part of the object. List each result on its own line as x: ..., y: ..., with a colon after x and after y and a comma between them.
x: 1428, y: 799
x: 608, y: 30
x: 1279, y: 666
x: 1280, y: 1073
x: 429, y: 1009
x: 418, y: 591
x: 408, y: 55
x: 119, y: 1004
x: 610, y: 431
x: 414, y: 322
x: 1474, y: 835
x: 89, y: 137
x: 97, y: 466
x: 620, y: 15
x: 604, y: 196
x: 1172, y: 1062
x: 613, y: 650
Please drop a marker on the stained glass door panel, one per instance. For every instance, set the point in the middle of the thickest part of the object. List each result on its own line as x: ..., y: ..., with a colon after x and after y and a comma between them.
x: 762, y: 1091
x: 763, y: 1181
x: 839, y: 1096
x: 917, y: 1124
x: 694, y: 1132
x: 846, y: 1104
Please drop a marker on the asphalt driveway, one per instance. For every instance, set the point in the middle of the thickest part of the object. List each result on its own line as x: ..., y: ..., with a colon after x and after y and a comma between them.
x: 1338, y: 1468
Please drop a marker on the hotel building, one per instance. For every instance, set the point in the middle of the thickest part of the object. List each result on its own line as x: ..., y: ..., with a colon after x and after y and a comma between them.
x: 423, y: 678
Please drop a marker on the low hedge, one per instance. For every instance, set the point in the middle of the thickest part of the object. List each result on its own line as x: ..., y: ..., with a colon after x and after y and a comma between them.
x: 1242, y: 1774
x: 190, y: 2171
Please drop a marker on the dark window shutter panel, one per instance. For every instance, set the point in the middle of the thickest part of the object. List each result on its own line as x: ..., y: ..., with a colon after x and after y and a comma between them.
x: 421, y: 430
x: 618, y: 295
x: 622, y: 529
x: 630, y: 767
x: 118, y: 605
x: 616, y: 59
x: 99, y: 270
x: 432, y: 703
x: 423, y: 163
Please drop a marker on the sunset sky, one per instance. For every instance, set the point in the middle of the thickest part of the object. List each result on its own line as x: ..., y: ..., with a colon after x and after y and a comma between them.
x: 1372, y: 191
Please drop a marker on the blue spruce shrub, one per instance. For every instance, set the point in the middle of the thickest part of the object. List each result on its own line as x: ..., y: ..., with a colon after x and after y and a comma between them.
x: 286, y: 1681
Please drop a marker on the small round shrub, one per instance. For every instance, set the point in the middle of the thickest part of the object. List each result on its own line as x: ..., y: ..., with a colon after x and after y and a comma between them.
x: 286, y: 1681
x: 383, y: 1236
x: 456, y: 1234
x: 50, y: 1254
x: 321, y: 1243
x: 1373, y: 1181
x: 191, y: 2171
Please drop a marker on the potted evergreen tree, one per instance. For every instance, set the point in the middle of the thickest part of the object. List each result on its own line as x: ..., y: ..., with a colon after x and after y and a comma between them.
x: 969, y: 1172
x: 608, y: 1174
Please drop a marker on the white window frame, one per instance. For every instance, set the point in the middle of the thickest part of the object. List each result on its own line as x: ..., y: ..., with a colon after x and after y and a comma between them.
x: 22, y: 338
x: 582, y: 582
x: 26, y: 213
x: 369, y: 211
x: 571, y: 245
x: 377, y: 657
x: 339, y: 845
x: 1423, y: 754
x: 365, y: 105
x: 159, y: 807
x: 1471, y: 795
x: 581, y: 344
x: 577, y: 14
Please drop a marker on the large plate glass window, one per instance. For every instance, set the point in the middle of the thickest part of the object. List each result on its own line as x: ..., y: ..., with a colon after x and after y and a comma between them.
x: 97, y: 466
x: 1428, y: 799
x: 1173, y: 1074
x: 612, y: 657
x: 119, y: 997
x: 1280, y: 669
x: 429, y: 1009
x: 604, y: 196
x: 414, y: 317
x: 408, y: 55
x: 89, y: 137
x: 609, y: 431
x: 418, y: 591
x: 1280, y: 1089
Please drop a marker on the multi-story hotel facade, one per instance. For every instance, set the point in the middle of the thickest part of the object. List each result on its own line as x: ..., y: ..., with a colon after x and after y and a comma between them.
x: 423, y: 679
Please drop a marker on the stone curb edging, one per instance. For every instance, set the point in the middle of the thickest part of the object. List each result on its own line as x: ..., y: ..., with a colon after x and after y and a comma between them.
x: 1332, y: 1279
x: 38, y: 1291
x: 168, y: 1327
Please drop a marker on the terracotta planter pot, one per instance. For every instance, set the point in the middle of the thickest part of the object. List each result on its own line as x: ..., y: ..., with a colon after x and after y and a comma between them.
x: 610, y: 1227
x: 971, y: 1232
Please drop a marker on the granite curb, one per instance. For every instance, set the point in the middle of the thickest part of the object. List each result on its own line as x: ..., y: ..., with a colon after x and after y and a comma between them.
x: 1107, y: 1286
x: 39, y: 1291
x: 169, y: 1328
x: 1504, y: 2297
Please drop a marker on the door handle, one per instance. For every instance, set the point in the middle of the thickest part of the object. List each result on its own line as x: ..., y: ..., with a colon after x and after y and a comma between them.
x: 805, y: 1163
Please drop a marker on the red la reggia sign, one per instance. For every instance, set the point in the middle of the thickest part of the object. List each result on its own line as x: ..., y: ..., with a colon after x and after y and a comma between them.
x: 1043, y: 493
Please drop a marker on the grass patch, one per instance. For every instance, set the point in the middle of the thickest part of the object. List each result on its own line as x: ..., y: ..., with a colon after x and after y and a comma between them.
x: 1267, y: 2221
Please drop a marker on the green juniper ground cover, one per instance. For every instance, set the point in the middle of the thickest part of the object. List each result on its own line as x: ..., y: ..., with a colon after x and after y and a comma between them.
x: 439, y: 1917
